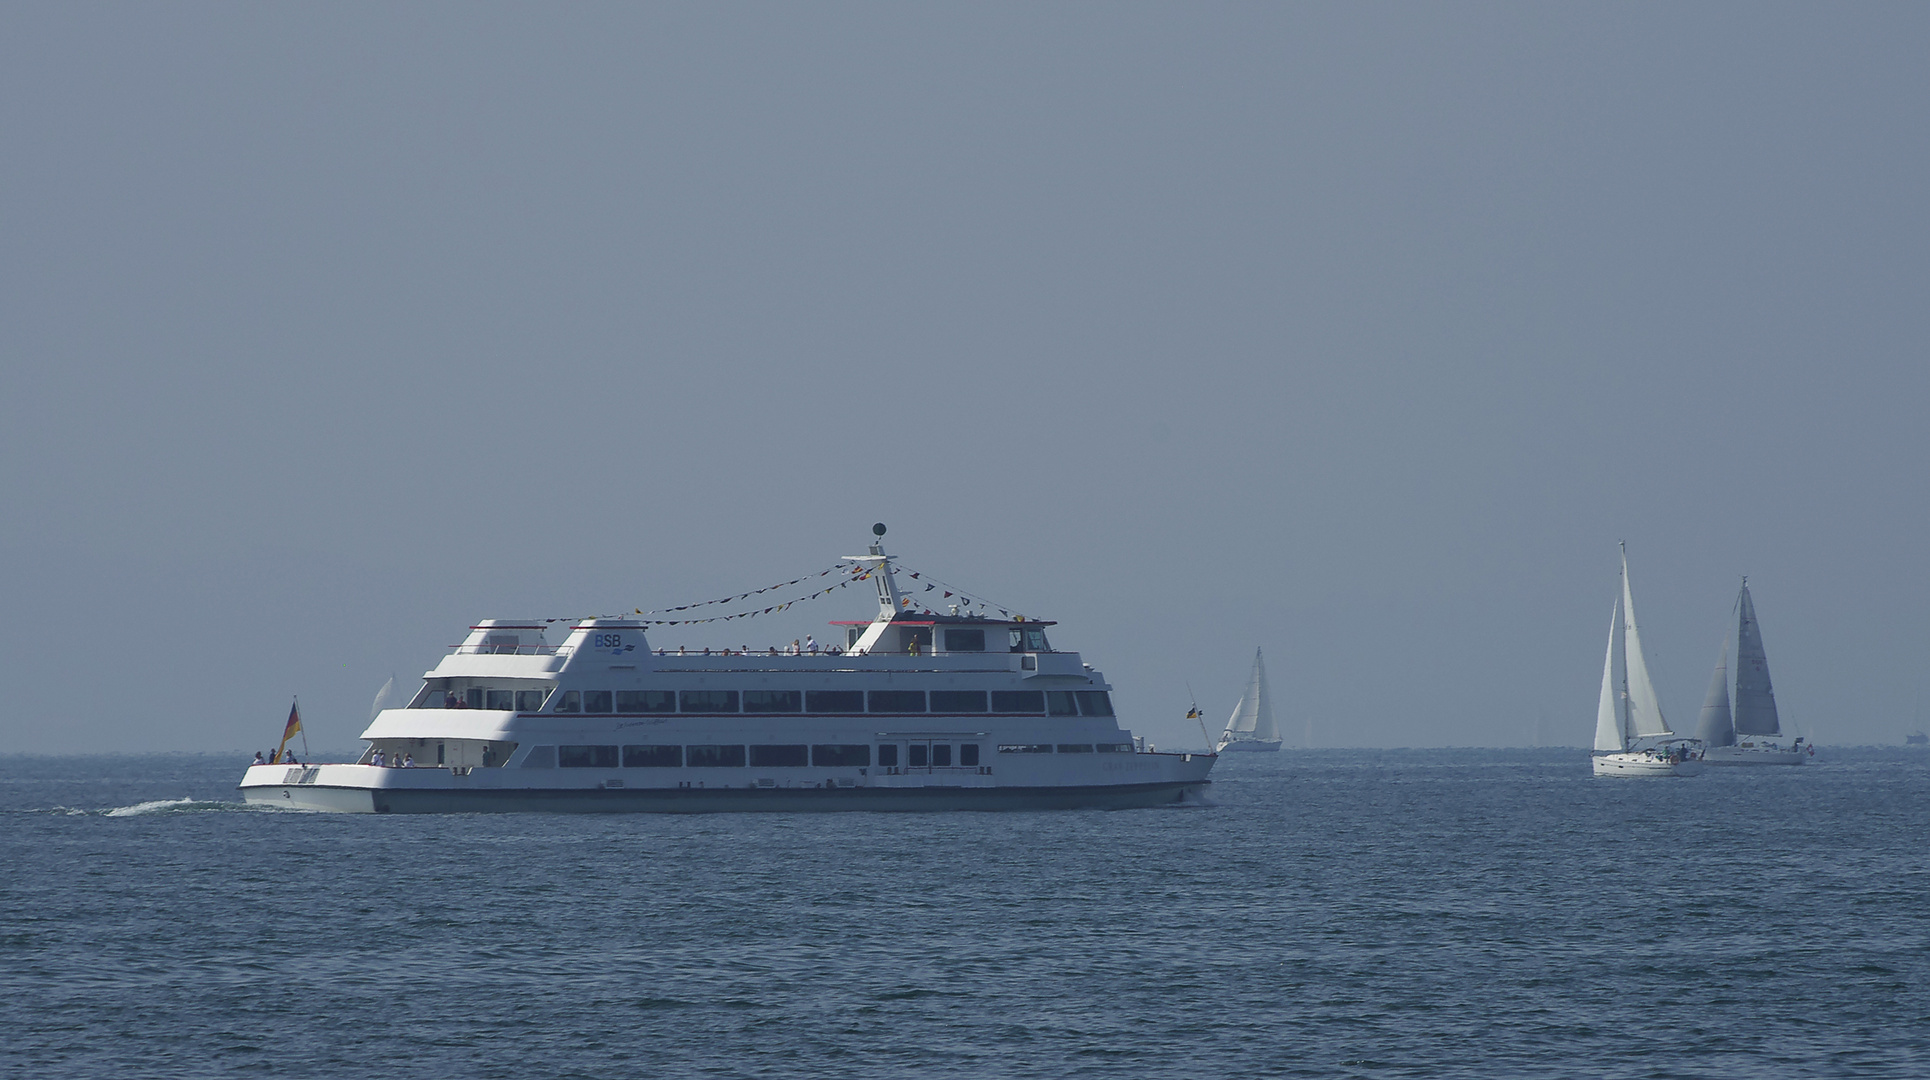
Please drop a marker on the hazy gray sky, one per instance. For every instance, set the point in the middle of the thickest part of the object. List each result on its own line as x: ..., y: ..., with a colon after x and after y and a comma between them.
x: 1358, y: 332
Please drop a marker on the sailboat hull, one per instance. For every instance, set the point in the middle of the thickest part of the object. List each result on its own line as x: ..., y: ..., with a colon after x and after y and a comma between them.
x: 1249, y: 745
x: 1765, y: 754
x: 1631, y: 764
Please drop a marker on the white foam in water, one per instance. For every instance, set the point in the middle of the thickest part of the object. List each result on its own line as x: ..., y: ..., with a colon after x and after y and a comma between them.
x: 149, y: 807
x: 1192, y: 800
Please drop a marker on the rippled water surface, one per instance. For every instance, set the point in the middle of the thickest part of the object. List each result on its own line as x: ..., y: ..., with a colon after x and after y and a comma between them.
x: 1379, y: 914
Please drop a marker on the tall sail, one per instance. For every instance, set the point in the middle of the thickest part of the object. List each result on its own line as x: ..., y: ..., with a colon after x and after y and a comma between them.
x: 1644, y: 710
x: 1253, y: 717
x: 1755, y: 700
x: 1608, y: 725
x: 1263, y: 727
x: 1714, y: 727
x: 382, y: 698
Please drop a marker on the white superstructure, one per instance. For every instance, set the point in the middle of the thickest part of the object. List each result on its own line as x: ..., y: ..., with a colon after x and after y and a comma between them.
x: 918, y: 711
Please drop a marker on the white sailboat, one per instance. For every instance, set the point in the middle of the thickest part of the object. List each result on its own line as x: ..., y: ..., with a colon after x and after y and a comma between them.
x: 1632, y: 738
x: 1748, y: 734
x: 1251, y: 726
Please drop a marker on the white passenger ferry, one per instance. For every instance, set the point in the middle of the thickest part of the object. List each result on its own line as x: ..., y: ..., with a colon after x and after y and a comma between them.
x: 915, y: 711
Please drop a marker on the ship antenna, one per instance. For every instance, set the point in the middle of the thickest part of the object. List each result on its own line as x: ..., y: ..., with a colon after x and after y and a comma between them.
x: 1198, y: 716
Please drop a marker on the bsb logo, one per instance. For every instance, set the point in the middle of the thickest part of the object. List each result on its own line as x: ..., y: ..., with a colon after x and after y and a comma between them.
x: 612, y: 642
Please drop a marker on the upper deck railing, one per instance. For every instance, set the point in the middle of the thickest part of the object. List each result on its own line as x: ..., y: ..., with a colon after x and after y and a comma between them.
x: 511, y: 650
x: 737, y: 654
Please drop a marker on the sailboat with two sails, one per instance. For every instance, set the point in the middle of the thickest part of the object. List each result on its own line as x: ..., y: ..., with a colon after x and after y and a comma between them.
x: 1746, y: 734
x: 1251, y: 726
x: 1632, y: 738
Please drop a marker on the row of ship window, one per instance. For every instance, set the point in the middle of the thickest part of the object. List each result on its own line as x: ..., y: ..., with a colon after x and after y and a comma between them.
x: 919, y: 755
x: 833, y: 702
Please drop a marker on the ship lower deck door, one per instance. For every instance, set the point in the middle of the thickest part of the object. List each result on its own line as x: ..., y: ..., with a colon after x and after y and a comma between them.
x: 924, y: 755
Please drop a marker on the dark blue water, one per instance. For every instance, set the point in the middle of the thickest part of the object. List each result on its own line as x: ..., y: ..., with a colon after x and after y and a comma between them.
x: 1392, y: 914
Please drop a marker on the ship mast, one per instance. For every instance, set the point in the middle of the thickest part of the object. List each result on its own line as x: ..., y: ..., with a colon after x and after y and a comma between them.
x: 878, y: 564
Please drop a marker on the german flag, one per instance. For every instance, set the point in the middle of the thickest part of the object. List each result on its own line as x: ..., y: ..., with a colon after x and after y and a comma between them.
x: 287, y: 733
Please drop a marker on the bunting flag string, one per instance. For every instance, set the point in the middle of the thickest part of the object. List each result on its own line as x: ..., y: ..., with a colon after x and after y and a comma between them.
x: 932, y: 584
x: 747, y: 595
x: 751, y: 613
x: 852, y: 574
x: 856, y: 573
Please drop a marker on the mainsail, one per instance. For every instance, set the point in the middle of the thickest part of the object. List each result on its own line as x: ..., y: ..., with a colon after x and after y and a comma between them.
x: 1608, y: 723
x: 1755, y: 700
x: 1253, y: 717
x: 1644, y: 710
x: 1714, y: 727
x: 382, y: 699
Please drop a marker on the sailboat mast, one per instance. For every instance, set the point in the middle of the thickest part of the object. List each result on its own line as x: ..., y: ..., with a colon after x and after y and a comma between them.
x: 1628, y: 726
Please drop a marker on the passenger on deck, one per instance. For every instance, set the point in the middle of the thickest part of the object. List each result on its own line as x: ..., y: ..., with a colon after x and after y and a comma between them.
x: 810, y: 645
x: 259, y: 760
x: 408, y: 761
x: 377, y: 761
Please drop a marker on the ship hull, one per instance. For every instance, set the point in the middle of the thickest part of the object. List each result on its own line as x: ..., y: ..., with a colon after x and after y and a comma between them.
x: 361, y: 789
x: 722, y: 800
x: 1251, y: 746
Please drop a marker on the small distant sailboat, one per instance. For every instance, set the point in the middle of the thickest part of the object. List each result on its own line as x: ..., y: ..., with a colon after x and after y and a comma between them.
x: 1917, y: 737
x: 384, y: 699
x: 1746, y: 734
x: 1629, y: 715
x: 1251, y: 726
